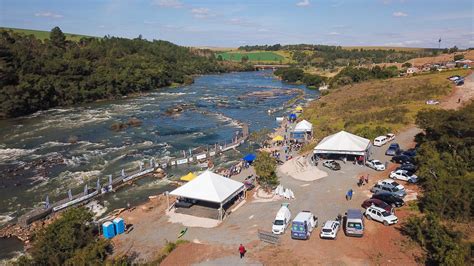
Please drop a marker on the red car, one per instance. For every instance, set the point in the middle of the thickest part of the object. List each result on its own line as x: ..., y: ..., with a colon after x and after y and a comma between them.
x: 377, y: 203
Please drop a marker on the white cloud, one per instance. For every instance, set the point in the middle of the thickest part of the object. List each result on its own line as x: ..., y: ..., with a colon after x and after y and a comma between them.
x: 48, y: 15
x: 303, y: 3
x: 168, y: 3
x: 400, y: 14
x: 242, y: 22
x: 201, y: 12
x: 334, y: 33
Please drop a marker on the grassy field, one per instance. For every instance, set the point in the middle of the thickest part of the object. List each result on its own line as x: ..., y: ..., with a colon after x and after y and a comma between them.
x: 43, y: 35
x: 408, y: 49
x: 257, y: 56
x: 377, y: 106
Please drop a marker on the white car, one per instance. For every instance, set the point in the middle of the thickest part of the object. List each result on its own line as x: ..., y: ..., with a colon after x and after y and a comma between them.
x: 375, y: 164
x: 330, y: 229
x: 390, y: 136
x: 432, y: 102
x: 380, y: 215
x: 391, y: 183
x: 404, y: 176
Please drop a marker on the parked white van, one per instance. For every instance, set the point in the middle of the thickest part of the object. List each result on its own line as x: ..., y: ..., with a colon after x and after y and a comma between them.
x: 282, y: 220
x: 380, y: 141
x: 354, y: 223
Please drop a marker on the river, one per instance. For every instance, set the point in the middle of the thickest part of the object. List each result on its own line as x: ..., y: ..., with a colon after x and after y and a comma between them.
x: 52, y: 151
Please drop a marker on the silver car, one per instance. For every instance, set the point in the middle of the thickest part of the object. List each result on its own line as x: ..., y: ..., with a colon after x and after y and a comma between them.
x: 389, y: 189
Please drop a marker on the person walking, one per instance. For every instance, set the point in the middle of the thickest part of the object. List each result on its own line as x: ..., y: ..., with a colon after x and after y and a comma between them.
x: 242, y: 251
x: 367, y: 179
x: 349, y: 194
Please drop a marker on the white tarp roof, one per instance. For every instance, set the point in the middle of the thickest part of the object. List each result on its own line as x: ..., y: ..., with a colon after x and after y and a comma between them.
x: 303, y: 126
x: 343, y: 143
x: 209, y: 186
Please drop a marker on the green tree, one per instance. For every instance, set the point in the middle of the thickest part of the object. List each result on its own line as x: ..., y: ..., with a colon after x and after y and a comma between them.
x: 458, y: 57
x: 265, y: 167
x: 244, y: 59
x: 57, y: 37
x: 69, y: 240
x: 406, y: 65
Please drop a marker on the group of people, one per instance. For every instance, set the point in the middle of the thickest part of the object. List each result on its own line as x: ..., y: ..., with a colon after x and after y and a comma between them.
x: 233, y: 170
x: 363, y: 180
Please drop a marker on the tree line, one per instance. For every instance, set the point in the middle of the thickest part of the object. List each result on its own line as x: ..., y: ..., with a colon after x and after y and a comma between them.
x: 329, y: 56
x: 445, y: 160
x: 37, y: 75
x: 346, y: 76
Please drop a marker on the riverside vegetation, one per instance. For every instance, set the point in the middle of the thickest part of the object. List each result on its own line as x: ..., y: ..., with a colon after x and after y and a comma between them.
x: 40, y: 74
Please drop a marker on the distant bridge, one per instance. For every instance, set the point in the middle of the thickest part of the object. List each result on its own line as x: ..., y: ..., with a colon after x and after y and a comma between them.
x: 262, y: 67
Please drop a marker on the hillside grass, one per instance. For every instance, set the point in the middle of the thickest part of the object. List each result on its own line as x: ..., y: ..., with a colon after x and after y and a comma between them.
x: 43, y: 35
x: 405, y: 49
x: 377, y: 106
x: 255, y: 56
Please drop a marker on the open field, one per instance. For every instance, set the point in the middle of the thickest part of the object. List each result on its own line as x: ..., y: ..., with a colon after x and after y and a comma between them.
x: 43, y: 35
x: 441, y: 58
x: 391, y: 103
x: 407, y: 49
x: 257, y: 56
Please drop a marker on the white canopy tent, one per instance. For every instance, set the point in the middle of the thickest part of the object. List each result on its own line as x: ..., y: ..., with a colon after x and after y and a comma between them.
x: 210, y: 187
x: 343, y: 143
x: 303, y: 126
x: 303, y: 130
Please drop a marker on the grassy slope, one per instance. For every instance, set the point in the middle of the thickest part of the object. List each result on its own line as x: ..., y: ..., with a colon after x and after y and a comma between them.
x: 43, y: 35
x: 383, y: 48
x: 377, y: 103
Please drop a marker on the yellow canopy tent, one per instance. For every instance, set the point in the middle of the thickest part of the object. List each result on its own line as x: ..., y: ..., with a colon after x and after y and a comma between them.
x: 278, y: 138
x: 299, y: 109
x: 190, y: 176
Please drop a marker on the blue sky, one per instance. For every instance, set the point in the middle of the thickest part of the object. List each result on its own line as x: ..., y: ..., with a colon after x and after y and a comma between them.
x: 411, y: 23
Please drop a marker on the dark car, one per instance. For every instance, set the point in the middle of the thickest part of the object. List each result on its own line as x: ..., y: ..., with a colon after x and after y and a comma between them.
x: 393, y: 149
x: 377, y: 203
x: 389, y: 199
x: 333, y: 165
x: 409, y: 153
x: 402, y: 159
x: 408, y: 167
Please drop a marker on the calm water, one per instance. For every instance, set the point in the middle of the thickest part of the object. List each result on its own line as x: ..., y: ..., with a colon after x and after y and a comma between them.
x: 38, y: 159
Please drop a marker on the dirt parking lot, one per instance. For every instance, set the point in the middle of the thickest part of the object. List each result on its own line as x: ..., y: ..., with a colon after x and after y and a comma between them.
x: 324, y: 197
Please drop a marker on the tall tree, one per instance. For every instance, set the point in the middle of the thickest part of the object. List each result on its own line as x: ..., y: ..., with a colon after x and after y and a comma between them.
x: 57, y: 37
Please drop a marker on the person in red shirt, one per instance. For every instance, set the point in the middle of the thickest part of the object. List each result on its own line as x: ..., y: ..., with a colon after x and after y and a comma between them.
x: 242, y: 251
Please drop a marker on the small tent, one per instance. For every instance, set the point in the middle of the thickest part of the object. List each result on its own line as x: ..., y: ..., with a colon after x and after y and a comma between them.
x: 210, y: 187
x: 278, y: 138
x: 303, y: 130
x: 250, y: 157
x: 343, y: 143
x: 190, y: 176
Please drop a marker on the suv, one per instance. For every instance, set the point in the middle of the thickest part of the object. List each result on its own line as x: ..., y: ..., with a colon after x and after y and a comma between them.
x: 393, y: 149
x: 389, y: 198
x: 333, y: 165
x: 377, y: 203
x: 407, y: 167
x: 404, y: 175
x: 402, y: 159
x: 375, y: 164
x: 389, y: 189
x: 330, y: 229
x: 409, y: 153
x: 380, y: 215
x: 391, y: 183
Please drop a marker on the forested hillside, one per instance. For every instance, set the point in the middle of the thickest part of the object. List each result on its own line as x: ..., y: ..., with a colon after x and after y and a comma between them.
x: 328, y: 56
x: 37, y: 75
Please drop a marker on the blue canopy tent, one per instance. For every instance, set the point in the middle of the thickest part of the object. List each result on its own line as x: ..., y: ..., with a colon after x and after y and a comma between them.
x: 292, y: 116
x: 250, y: 157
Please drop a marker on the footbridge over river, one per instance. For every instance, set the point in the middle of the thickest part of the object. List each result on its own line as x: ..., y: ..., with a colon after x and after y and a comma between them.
x: 263, y: 67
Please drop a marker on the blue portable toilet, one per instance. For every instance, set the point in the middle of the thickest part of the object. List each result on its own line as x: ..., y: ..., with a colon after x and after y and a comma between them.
x: 119, y: 225
x: 108, y: 230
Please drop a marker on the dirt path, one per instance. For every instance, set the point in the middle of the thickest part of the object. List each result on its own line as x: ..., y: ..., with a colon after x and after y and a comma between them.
x: 464, y: 94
